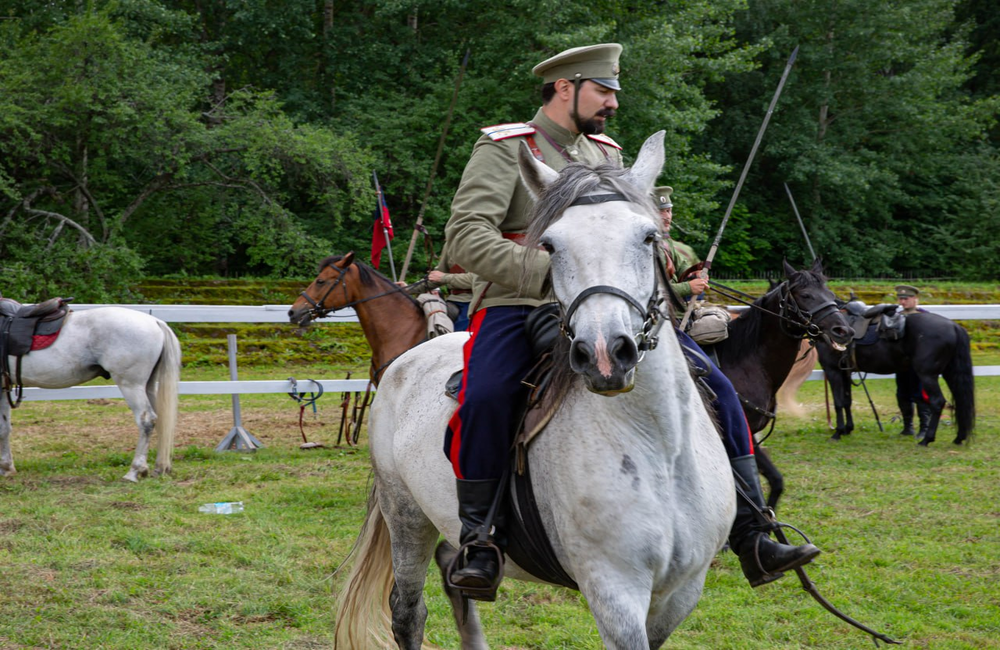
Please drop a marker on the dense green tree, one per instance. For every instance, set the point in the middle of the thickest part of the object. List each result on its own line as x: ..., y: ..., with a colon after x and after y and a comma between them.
x: 106, y: 132
x: 873, y: 134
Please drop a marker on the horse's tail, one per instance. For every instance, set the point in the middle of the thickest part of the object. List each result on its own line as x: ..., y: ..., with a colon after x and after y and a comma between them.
x: 788, y: 391
x: 167, y: 376
x: 959, y: 376
x: 364, y: 618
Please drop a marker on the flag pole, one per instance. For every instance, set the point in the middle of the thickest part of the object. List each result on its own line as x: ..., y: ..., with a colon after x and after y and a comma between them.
x: 382, y: 209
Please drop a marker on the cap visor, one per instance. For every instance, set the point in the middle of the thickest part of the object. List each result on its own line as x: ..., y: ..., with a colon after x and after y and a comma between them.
x: 608, y: 83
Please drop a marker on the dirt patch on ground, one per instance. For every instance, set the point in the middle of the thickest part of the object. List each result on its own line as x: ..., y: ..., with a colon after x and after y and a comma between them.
x: 89, y: 428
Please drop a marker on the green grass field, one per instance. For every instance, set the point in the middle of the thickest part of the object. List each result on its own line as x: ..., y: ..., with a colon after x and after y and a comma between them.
x: 911, y: 537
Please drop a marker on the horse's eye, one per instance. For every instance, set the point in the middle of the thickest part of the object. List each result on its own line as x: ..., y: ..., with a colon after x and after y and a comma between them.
x: 547, y: 247
x: 651, y: 238
x: 321, y: 282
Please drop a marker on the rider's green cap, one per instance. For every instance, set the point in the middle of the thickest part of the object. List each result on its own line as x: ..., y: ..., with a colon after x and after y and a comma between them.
x: 906, y: 291
x: 661, y: 197
x: 598, y: 63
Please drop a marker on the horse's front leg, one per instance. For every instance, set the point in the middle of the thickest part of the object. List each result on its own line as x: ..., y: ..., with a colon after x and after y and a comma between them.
x: 6, y: 459
x: 145, y: 419
x: 466, y: 617
x: 620, y: 605
x: 840, y: 386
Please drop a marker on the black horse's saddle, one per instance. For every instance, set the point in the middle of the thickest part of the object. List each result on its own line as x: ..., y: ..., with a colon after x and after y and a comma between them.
x: 872, y: 323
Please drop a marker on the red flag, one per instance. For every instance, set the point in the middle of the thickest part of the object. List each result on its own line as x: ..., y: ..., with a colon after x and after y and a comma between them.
x: 381, y: 229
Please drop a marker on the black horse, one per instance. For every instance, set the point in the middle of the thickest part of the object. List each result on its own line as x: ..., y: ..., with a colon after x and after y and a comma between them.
x: 764, y: 342
x: 931, y: 346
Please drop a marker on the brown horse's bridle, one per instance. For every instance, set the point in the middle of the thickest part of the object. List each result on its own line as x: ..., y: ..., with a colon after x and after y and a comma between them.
x: 319, y: 309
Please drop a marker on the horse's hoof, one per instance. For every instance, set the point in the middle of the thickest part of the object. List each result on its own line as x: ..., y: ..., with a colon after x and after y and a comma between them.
x: 924, y: 443
x: 958, y: 441
x: 835, y: 436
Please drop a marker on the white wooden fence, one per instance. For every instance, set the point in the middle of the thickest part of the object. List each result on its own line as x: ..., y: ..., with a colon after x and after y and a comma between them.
x: 279, y: 314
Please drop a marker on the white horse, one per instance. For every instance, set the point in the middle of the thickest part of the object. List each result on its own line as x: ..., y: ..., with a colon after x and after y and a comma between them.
x: 635, y: 490
x: 139, y: 352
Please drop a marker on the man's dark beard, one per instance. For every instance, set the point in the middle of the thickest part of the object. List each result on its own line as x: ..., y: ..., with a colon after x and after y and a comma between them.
x: 592, y: 126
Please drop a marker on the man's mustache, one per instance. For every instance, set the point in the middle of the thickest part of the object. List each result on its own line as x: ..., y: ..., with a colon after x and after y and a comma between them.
x: 605, y: 112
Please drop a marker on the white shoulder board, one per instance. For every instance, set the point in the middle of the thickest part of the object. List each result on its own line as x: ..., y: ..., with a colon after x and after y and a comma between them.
x: 504, y: 131
x: 603, y: 139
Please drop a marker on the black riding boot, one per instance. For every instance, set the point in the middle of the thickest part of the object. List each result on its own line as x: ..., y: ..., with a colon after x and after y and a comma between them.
x: 762, y: 559
x: 924, y: 412
x: 483, y: 569
x: 906, y: 410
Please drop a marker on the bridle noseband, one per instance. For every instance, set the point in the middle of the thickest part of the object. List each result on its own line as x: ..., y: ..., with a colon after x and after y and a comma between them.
x: 319, y: 310
x: 790, y: 312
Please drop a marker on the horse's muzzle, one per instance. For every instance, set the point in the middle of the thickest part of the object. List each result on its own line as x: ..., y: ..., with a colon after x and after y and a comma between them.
x: 302, y: 318
x: 606, y: 369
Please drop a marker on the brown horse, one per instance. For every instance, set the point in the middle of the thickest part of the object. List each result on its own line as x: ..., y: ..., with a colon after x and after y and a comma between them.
x: 392, y: 321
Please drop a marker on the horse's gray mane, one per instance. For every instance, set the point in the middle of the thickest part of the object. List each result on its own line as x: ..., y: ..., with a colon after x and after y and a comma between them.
x: 577, y: 180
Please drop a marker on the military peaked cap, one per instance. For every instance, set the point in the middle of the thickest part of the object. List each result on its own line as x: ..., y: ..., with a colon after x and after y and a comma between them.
x: 906, y: 291
x: 661, y: 197
x: 599, y: 63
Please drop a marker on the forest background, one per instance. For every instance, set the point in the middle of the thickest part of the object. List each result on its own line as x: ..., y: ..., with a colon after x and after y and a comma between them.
x: 236, y: 138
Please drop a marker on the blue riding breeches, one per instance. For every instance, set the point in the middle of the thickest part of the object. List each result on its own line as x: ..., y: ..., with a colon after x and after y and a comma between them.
x: 736, y: 434
x: 497, y: 357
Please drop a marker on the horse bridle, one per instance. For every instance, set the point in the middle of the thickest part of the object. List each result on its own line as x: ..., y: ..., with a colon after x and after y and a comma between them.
x: 320, y: 310
x: 789, y: 313
x: 646, y: 338
x: 808, y: 319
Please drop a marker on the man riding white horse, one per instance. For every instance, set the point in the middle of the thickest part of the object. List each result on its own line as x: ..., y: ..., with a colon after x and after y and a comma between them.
x: 489, y: 217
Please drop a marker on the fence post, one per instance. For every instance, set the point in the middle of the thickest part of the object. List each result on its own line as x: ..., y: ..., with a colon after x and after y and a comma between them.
x: 238, y: 438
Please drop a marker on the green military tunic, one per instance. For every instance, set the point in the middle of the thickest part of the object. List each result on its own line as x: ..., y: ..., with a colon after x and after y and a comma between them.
x: 459, y: 282
x: 492, y: 202
x: 683, y: 257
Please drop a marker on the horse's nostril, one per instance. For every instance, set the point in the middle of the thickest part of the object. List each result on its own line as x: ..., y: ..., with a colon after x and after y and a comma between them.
x: 624, y: 351
x: 580, y: 354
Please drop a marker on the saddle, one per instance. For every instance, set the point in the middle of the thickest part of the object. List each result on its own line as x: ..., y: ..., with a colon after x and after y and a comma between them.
x: 870, y: 324
x: 24, y: 328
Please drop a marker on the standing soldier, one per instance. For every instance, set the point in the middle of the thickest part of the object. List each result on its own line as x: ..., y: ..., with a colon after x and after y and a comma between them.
x: 908, y: 388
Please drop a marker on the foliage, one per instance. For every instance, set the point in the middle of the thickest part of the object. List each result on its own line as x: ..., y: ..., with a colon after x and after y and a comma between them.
x: 102, y: 129
x: 239, y: 138
x: 873, y: 134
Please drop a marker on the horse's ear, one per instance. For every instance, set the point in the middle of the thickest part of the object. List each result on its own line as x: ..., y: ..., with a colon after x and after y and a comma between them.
x: 648, y: 164
x: 789, y: 269
x: 535, y: 175
x: 347, y: 260
x: 817, y: 266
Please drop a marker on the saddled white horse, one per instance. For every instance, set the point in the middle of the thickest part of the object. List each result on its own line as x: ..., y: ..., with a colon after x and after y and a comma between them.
x: 633, y: 483
x: 139, y: 352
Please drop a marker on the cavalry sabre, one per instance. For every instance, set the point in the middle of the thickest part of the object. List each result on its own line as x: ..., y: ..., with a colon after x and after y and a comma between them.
x: 795, y: 208
x: 739, y: 185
